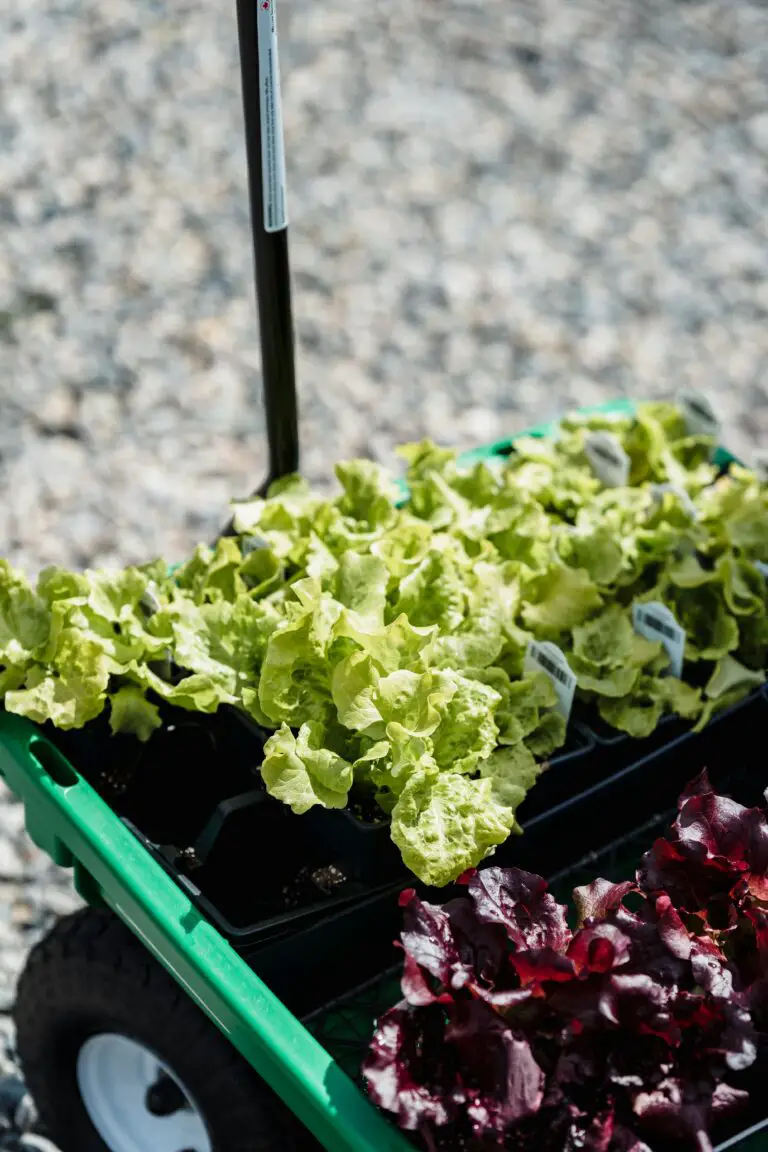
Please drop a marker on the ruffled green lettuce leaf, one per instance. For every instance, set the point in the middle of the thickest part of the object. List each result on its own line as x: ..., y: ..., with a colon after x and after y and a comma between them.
x: 637, y: 714
x: 132, y: 714
x: 595, y: 549
x: 608, y: 657
x: 361, y: 586
x: 71, y: 691
x: 444, y: 823
x: 368, y: 493
x: 467, y: 731
x: 558, y: 600
x: 512, y: 772
x: 729, y: 683
x: 295, y: 681
x: 24, y: 618
x: 302, y: 772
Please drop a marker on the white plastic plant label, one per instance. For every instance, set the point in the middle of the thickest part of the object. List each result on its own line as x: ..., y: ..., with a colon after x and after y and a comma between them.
x: 254, y: 544
x: 607, y: 458
x: 760, y: 466
x: 150, y: 599
x: 659, y: 490
x: 543, y: 656
x: 700, y: 416
x: 655, y: 621
x: 272, y: 144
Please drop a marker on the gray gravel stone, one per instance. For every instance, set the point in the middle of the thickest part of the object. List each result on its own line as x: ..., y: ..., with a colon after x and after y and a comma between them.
x: 498, y: 211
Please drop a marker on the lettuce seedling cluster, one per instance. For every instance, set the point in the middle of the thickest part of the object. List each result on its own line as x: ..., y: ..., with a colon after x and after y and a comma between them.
x: 385, y: 640
x: 517, y: 1033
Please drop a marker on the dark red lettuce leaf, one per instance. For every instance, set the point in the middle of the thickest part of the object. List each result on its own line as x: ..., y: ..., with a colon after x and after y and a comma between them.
x: 716, y: 1036
x: 409, y: 1069
x: 594, y: 901
x: 649, y: 951
x: 713, y: 845
x: 431, y: 1065
x: 745, y: 942
x: 428, y: 938
x: 502, y: 1082
x: 685, y: 1112
x: 450, y: 943
x: 521, y: 904
x: 672, y: 1111
x: 542, y: 966
x: 672, y: 931
x: 599, y: 948
x: 692, y: 884
x: 416, y: 986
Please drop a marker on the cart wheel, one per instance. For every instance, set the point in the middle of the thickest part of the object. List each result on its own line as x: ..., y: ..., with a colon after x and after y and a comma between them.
x: 119, y: 1059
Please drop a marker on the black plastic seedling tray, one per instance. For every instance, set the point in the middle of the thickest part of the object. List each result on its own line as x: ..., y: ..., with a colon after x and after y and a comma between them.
x: 213, y: 831
x: 350, y: 946
x: 193, y: 796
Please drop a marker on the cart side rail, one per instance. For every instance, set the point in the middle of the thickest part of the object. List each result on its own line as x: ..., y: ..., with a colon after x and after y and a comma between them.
x: 68, y: 820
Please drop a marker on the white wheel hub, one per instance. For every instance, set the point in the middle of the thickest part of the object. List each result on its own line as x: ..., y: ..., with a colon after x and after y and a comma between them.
x: 117, y: 1078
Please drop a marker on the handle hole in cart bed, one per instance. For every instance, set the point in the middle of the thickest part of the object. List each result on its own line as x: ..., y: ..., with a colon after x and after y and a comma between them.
x: 53, y: 763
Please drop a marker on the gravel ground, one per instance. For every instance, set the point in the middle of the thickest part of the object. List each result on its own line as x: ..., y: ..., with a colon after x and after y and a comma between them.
x: 498, y: 210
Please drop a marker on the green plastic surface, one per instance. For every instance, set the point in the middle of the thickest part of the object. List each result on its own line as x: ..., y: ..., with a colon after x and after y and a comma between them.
x: 67, y: 819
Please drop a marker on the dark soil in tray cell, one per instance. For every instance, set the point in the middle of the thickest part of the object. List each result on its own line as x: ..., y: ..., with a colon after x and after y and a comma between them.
x: 193, y: 794
x: 169, y: 786
x: 250, y: 864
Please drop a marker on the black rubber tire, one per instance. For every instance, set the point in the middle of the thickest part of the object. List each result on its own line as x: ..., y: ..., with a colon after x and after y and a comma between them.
x: 91, y: 975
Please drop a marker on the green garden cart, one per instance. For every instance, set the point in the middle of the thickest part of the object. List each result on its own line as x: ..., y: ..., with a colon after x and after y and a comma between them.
x: 164, y: 1018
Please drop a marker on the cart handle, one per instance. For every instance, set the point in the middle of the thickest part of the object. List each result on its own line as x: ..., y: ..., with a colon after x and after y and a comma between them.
x: 259, y: 68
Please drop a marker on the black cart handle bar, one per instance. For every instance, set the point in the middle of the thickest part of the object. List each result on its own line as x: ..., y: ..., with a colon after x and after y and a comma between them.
x: 265, y: 154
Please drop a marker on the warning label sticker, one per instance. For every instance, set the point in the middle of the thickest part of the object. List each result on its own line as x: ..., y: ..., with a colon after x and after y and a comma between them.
x: 272, y: 144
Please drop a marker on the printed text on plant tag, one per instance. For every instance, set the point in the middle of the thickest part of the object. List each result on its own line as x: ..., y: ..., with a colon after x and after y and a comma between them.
x: 700, y: 416
x: 542, y: 656
x: 607, y: 458
x: 655, y: 621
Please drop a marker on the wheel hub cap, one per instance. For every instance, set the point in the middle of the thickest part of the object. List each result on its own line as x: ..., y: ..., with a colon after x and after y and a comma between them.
x: 134, y: 1101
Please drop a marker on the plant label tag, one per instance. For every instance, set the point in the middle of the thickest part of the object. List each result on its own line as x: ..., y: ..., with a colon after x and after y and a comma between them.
x: 700, y: 416
x: 253, y: 544
x: 543, y: 656
x: 607, y: 458
x: 655, y: 621
x: 760, y: 466
x: 272, y: 143
x: 150, y: 600
x: 659, y: 490
x: 762, y: 568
